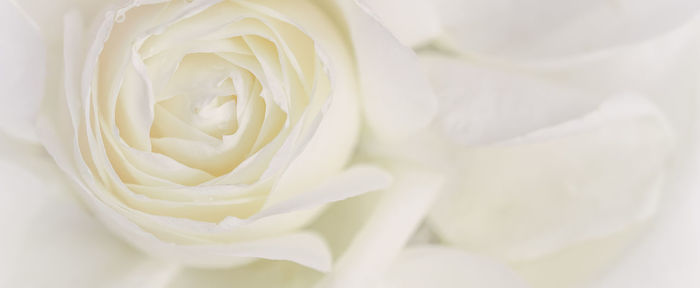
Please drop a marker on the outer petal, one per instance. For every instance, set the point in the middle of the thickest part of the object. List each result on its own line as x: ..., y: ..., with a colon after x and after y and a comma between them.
x: 668, y: 255
x: 22, y: 71
x: 391, y: 110
x: 527, y: 30
x: 439, y: 266
x: 664, y: 69
x: 48, y: 15
x: 480, y: 104
x: 338, y: 225
x: 413, y: 22
x: 577, y: 181
x: 45, y: 230
x: 261, y: 274
x: 398, y: 214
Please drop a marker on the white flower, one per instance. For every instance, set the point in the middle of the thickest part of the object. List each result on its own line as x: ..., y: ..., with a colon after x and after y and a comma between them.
x: 212, y: 133
x: 215, y: 134
x: 207, y: 123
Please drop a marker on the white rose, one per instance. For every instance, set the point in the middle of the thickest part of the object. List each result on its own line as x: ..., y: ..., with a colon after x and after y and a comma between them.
x: 212, y: 133
x: 570, y: 126
x: 557, y: 149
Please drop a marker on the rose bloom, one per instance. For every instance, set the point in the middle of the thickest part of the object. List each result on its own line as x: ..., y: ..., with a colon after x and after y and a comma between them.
x: 212, y: 134
x: 303, y: 143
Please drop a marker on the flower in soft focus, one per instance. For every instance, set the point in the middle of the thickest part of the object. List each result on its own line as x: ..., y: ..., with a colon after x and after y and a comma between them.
x: 211, y: 122
x: 349, y: 143
x: 212, y: 134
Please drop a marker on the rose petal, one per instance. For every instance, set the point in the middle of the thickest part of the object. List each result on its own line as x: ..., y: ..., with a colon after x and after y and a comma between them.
x: 23, y: 58
x: 413, y: 22
x: 397, y: 215
x: 398, y: 100
x: 149, y: 273
x: 45, y: 230
x: 576, y: 181
x: 557, y: 28
x: 342, y: 220
x: 305, y: 248
x: 664, y: 69
x: 440, y: 266
x: 261, y: 274
x: 668, y: 254
x: 480, y: 104
x: 352, y: 182
x: 579, y: 263
x: 49, y: 15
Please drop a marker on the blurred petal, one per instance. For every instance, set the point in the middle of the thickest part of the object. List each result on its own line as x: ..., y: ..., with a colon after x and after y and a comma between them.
x: 580, y: 180
x: 45, y: 230
x: 392, y: 110
x: 35, y: 59
x: 413, y: 22
x: 355, y: 180
x: 578, y: 264
x: 342, y: 220
x: 49, y: 14
x: 396, y: 217
x: 304, y: 248
x: 22, y: 73
x: 669, y: 255
x: 261, y: 274
x: 555, y: 28
x: 439, y: 266
x: 480, y: 104
x: 147, y: 274
x: 666, y: 70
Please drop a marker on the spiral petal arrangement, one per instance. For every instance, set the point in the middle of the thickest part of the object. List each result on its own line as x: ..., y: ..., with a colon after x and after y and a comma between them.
x: 201, y: 123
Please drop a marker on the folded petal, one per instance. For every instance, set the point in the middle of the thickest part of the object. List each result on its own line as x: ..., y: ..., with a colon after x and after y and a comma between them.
x: 481, y: 104
x: 551, y: 29
x: 47, y: 232
x: 398, y: 100
x: 261, y: 274
x: 413, y: 22
x: 48, y: 16
x: 664, y: 69
x: 22, y: 73
x: 398, y: 214
x: 668, y: 254
x: 352, y: 182
x: 579, y: 180
x: 441, y: 266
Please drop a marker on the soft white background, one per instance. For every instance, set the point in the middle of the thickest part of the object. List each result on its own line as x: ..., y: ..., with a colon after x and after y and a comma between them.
x: 559, y: 59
